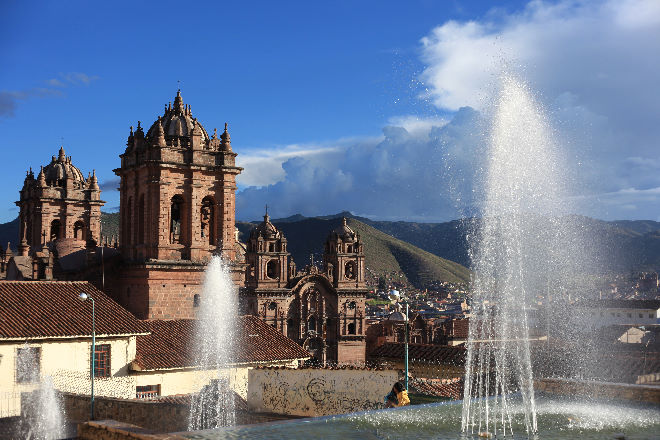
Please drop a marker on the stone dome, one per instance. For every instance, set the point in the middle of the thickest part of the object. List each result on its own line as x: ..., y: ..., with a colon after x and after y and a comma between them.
x: 266, y: 229
x: 344, y: 232
x: 61, y: 168
x: 177, y: 121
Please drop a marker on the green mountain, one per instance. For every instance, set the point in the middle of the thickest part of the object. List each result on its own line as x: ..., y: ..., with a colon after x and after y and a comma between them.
x: 412, y: 248
x: 384, y: 254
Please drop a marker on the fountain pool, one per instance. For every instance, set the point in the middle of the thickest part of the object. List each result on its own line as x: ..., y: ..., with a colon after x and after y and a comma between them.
x: 558, y: 419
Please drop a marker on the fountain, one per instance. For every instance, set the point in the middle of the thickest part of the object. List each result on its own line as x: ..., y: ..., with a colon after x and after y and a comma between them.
x: 525, y: 241
x: 42, y: 415
x: 213, y: 406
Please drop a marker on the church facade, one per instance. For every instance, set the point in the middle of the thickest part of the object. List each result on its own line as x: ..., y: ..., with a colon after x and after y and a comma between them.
x: 177, y: 210
x: 323, y: 310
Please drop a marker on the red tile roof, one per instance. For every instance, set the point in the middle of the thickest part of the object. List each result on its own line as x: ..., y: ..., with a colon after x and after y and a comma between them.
x: 442, y: 354
x: 170, y: 344
x: 452, y: 388
x: 52, y: 309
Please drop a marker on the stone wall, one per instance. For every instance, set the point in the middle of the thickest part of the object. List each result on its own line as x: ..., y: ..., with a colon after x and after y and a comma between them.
x: 312, y: 392
x: 113, y: 430
x: 601, y: 390
x: 152, y: 415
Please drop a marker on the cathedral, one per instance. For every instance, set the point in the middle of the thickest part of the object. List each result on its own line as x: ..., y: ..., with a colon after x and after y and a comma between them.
x: 177, y: 210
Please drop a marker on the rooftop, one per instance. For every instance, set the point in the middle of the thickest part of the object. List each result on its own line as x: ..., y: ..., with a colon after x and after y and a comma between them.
x: 52, y: 309
x: 170, y: 345
x: 653, y: 304
x: 442, y: 354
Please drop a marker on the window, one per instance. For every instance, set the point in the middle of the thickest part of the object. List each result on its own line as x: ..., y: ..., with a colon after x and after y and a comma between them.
x: 102, y: 360
x: 55, y: 229
x: 271, y: 247
x: 641, y: 315
x: 312, y: 324
x: 272, y: 269
x: 351, y: 305
x: 629, y: 315
x: 196, y: 300
x: 176, y: 216
x: 140, y: 225
x: 272, y: 306
x: 129, y: 221
x: 349, y: 270
x: 79, y: 230
x: 147, y: 391
x: 351, y: 328
x: 28, y: 364
x: 207, y: 221
x: 650, y: 315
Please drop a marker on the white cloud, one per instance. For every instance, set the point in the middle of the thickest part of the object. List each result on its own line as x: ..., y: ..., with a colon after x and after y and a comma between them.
x: 416, y: 125
x: 264, y: 167
x: 10, y: 99
x: 593, y: 63
x: 399, y: 175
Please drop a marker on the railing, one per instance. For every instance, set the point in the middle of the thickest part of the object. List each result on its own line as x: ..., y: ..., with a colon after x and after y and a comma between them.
x: 147, y: 395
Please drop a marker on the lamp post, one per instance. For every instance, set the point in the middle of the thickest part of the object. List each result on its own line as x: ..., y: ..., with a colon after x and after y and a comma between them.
x: 84, y: 297
x: 406, y: 347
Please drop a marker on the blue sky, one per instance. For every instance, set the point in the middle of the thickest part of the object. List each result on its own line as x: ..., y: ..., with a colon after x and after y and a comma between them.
x: 337, y: 105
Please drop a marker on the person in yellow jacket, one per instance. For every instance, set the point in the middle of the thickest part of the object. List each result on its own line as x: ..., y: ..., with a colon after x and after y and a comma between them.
x: 397, y: 397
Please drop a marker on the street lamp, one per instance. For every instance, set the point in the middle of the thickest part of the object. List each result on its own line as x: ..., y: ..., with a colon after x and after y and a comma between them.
x: 406, y: 345
x: 84, y: 297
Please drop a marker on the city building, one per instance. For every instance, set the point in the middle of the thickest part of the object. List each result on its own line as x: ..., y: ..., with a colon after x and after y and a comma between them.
x: 323, y: 310
x: 46, y: 332
x: 607, y: 312
x: 177, y: 210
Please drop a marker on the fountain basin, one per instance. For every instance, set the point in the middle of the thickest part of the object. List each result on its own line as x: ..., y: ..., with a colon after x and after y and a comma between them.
x: 560, y: 419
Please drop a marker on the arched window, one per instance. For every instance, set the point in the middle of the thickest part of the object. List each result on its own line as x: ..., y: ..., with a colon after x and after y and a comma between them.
x: 291, y: 331
x: 207, y: 224
x: 176, y: 219
x: 140, y: 225
x: 272, y: 269
x: 312, y: 323
x: 79, y: 230
x: 272, y: 306
x: 351, y: 328
x: 55, y: 230
x: 351, y: 305
x: 128, y: 221
x: 349, y: 270
x: 271, y: 247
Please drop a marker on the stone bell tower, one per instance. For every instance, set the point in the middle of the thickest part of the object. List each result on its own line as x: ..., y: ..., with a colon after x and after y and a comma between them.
x: 177, y: 209
x: 267, y: 257
x: 344, y: 258
x: 60, y: 209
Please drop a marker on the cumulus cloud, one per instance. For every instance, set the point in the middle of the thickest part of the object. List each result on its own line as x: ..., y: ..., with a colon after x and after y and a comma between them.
x: 400, y: 175
x: 594, y: 65
x: 264, y: 166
